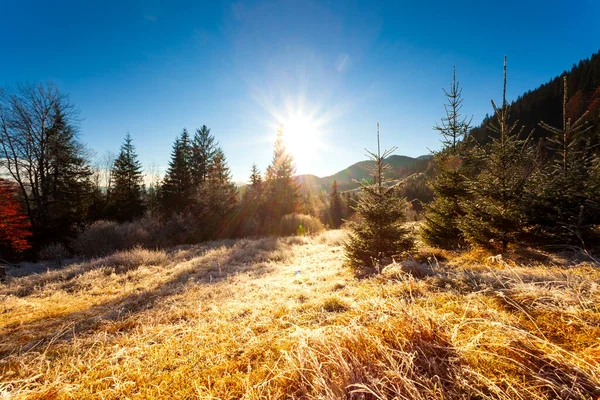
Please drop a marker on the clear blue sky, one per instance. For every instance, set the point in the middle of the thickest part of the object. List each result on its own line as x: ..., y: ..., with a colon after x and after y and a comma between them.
x: 153, y: 67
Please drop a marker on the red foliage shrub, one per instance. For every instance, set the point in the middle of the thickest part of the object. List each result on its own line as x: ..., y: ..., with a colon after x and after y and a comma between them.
x: 14, y: 225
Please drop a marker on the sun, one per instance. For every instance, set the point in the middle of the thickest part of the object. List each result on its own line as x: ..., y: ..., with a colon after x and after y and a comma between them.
x: 302, y: 138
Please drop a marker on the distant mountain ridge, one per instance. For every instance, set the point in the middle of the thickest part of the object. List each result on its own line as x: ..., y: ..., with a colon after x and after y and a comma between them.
x: 402, y: 166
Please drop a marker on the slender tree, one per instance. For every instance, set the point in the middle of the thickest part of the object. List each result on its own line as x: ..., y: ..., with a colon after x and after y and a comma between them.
x: 282, y: 190
x: 177, y: 189
x: 335, y: 206
x: 127, y: 201
x: 204, y: 149
x: 380, y: 234
x: 495, y: 212
x: 449, y: 184
x: 565, y: 206
x: 218, y: 199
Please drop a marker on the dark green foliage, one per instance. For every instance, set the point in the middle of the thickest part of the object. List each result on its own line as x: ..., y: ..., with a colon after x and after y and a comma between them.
x: 565, y: 200
x: 545, y: 102
x: 204, y: 150
x: 177, y: 189
x: 217, y: 200
x: 335, y: 206
x: 281, y: 189
x: 126, y: 200
x: 496, y: 209
x: 379, y: 234
x: 252, y: 206
x: 449, y: 183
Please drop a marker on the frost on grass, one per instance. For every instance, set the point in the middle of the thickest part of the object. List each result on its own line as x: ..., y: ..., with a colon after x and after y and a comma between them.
x: 284, y: 318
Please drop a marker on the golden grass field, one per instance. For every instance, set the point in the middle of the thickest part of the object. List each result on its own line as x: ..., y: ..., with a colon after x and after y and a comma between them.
x: 284, y: 318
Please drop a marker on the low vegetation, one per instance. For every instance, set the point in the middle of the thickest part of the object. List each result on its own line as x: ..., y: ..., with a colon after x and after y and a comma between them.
x: 284, y: 318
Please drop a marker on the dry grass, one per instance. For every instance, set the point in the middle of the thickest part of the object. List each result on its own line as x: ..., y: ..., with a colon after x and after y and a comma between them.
x: 282, y: 318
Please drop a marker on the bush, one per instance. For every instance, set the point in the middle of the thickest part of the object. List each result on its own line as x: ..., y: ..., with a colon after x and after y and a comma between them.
x: 299, y: 224
x: 54, y: 252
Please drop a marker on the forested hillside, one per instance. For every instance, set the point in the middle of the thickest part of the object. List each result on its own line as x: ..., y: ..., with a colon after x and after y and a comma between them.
x: 545, y: 102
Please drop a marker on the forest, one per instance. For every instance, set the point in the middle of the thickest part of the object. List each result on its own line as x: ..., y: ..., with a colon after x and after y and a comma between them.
x: 527, y: 175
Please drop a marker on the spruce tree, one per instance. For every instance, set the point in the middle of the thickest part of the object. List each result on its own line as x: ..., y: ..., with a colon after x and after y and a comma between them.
x: 495, y: 212
x: 204, y: 150
x: 127, y: 193
x: 217, y: 199
x: 282, y: 189
x: 335, y: 206
x: 252, y: 207
x: 449, y: 184
x: 565, y: 203
x: 176, y: 193
x: 380, y: 234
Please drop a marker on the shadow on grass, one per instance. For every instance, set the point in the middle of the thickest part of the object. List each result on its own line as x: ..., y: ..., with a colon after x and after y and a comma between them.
x: 204, y: 265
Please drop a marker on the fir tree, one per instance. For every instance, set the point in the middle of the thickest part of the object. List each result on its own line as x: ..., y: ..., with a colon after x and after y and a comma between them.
x: 380, y: 233
x: 335, y: 206
x: 203, y: 152
x: 565, y: 205
x: 495, y: 212
x: 65, y: 181
x: 128, y: 189
x: 282, y: 190
x: 177, y: 188
x: 449, y: 184
x: 252, y: 208
x: 218, y: 198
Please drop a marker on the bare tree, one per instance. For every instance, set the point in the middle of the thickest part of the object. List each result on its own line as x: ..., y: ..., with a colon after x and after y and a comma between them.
x: 40, y: 150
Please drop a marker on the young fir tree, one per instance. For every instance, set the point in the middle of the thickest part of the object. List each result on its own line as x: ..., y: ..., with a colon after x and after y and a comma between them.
x: 495, y: 213
x: 218, y: 199
x: 380, y: 234
x: 177, y: 189
x: 204, y: 150
x: 335, y: 206
x: 281, y: 189
x: 127, y: 192
x: 252, y: 207
x: 449, y: 184
x: 565, y: 202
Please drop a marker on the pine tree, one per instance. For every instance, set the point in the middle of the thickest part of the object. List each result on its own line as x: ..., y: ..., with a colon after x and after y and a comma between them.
x: 252, y: 207
x: 282, y: 190
x: 204, y: 150
x: 564, y: 203
x: 380, y: 234
x: 66, y: 187
x: 495, y: 212
x: 218, y: 199
x: 177, y: 189
x: 128, y: 189
x: 335, y: 206
x: 449, y: 184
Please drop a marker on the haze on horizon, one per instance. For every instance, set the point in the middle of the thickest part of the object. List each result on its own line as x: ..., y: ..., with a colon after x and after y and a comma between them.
x: 328, y: 70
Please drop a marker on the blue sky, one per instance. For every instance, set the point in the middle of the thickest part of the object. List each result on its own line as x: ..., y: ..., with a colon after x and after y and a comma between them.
x: 153, y: 67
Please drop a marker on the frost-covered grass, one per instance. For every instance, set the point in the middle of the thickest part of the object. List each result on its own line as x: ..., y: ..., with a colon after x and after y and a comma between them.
x: 283, y: 318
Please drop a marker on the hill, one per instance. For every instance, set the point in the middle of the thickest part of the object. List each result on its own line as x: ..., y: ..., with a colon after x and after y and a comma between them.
x: 402, y: 166
x: 545, y: 102
x: 282, y: 318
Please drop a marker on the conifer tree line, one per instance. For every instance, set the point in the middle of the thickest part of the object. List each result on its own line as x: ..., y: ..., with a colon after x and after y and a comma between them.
x: 510, y: 190
x: 513, y: 185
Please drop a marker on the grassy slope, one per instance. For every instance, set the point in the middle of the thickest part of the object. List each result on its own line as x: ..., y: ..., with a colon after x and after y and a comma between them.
x: 237, y: 320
